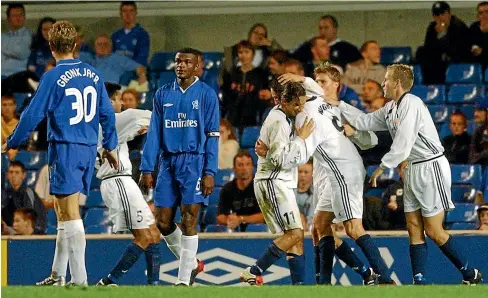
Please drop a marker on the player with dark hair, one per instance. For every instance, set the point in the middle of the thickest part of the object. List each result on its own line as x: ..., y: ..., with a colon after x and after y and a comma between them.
x: 73, y: 97
x: 186, y: 113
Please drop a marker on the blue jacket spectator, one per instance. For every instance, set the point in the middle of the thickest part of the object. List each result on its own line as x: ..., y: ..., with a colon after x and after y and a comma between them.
x: 40, y: 51
x: 131, y: 40
x: 16, y: 42
x: 81, y: 46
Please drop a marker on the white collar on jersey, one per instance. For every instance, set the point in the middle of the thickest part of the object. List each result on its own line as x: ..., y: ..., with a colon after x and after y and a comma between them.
x: 181, y: 89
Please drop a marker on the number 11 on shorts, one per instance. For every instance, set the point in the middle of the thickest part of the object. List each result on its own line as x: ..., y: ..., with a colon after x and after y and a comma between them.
x: 288, y: 217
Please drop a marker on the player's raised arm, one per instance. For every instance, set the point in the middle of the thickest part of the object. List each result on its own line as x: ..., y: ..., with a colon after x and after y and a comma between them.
x: 364, y: 139
x: 375, y: 121
x: 311, y: 87
x: 151, y: 147
x: 408, y: 127
x: 129, y: 123
x: 212, y: 132
x: 34, y: 113
x: 107, y: 120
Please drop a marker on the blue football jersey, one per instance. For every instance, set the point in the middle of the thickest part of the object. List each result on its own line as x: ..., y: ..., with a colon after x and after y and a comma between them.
x: 183, y: 121
x: 73, y: 97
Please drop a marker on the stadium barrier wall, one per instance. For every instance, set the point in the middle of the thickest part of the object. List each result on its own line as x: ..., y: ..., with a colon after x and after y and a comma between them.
x: 26, y: 260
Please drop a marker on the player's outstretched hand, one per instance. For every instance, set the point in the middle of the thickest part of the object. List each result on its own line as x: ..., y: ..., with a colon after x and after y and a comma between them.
x: 112, y: 158
x: 207, y: 185
x: 289, y: 77
x: 349, y: 131
x: 4, y: 148
x: 143, y: 130
x: 260, y: 148
x: 145, y: 183
x: 307, y: 128
x: 375, y: 176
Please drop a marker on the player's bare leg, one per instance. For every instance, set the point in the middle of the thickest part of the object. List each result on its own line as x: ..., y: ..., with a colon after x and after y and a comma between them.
x: 452, y: 250
x: 296, y: 261
x: 274, y: 252
x: 354, y: 229
x: 69, y: 213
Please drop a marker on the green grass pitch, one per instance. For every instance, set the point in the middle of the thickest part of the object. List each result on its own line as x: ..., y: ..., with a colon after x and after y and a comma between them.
x: 248, y: 292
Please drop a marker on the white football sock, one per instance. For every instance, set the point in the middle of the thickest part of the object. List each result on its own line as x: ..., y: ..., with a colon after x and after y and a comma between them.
x: 61, y: 254
x: 189, y: 247
x: 75, y: 235
x: 173, y: 241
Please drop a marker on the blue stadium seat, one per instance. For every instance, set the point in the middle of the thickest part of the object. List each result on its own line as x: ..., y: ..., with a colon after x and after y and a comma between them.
x: 166, y: 78
x: 214, y: 228
x: 96, y: 217
x: 388, y: 174
x: 466, y: 174
x: 466, y: 109
x: 31, y: 178
x: 223, y: 176
x: 375, y: 192
x: 5, y: 162
x: 212, y: 60
x: 463, y: 194
x: 162, y: 61
x: 210, y: 216
x: 19, y: 100
x: 257, y: 228
x: 432, y: 94
x: 249, y: 136
x: 52, y: 220
x: 254, y: 156
x: 462, y: 226
x: 439, y: 113
x: 94, y: 199
x: 464, y: 93
x: 463, y: 74
x: 417, y: 75
x: 214, y: 196
x: 95, y: 182
x: 446, y: 131
x: 390, y: 55
x: 146, y: 100
x: 98, y: 229
x: 51, y: 230
x: 462, y: 213
x: 32, y: 160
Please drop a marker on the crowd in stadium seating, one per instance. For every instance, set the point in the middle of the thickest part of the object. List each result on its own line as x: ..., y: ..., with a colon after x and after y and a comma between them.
x: 450, y: 76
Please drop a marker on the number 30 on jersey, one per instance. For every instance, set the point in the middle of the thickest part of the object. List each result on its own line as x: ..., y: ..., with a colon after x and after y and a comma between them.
x: 81, y: 104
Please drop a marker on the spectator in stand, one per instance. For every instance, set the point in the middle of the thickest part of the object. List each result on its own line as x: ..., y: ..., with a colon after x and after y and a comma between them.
x: 373, y: 214
x: 42, y: 188
x: 112, y: 65
x: 394, y: 207
x: 9, y: 120
x: 17, y: 196
x: 295, y: 67
x: 132, y: 40
x: 345, y: 93
x: 81, y: 46
x: 258, y: 38
x: 376, y: 104
x: 483, y: 217
x: 341, y: 52
x: 456, y: 146
x: 130, y: 99
x: 242, y: 103
x: 368, y: 68
x: 24, y: 221
x: 304, y: 194
x: 478, y: 151
x: 447, y: 41
x: 277, y: 63
x: 238, y: 206
x: 15, y: 52
x: 479, y: 35
x: 40, y: 51
x: 371, y: 91
x: 228, y: 145
x: 320, y: 50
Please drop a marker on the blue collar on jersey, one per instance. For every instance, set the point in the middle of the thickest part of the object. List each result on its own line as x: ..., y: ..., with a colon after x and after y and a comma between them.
x: 68, y: 62
x: 181, y: 89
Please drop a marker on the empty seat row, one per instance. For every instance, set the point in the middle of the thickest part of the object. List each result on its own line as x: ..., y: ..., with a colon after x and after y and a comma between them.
x: 458, y: 94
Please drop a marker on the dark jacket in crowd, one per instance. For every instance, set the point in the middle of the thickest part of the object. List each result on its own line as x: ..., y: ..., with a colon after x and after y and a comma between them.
x: 341, y: 53
x: 456, y: 148
x: 480, y: 39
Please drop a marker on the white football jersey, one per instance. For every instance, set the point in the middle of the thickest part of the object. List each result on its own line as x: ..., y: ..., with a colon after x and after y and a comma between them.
x: 127, y: 123
x: 283, y: 156
x: 411, y: 127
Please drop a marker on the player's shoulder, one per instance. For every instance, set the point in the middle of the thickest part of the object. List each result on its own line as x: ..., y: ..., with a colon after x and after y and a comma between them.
x: 412, y: 100
x: 316, y: 106
x: 205, y: 87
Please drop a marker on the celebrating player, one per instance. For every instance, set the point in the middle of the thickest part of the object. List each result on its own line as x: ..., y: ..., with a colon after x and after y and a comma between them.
x: 185, y: 128
x: 427, y: 192
x: 73, y: 97
x: 127, y: 208
x: 275, y: 179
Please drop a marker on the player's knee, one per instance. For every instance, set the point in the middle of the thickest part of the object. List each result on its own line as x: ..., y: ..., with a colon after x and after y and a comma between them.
x: 297, y: 236
x: 143, y: 239
x: 165, y: 227
x: 415, y: 229
x: 155, y: 234
x: 354, y: 228
x: 189, y: 223
x: 437, y: 234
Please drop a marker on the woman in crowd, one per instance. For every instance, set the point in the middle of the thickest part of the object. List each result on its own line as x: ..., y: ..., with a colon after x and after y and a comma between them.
x: 456, y: 146
x: 228, y: 145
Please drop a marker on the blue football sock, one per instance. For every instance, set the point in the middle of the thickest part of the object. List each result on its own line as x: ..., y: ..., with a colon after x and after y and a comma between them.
x: 418, y: 257
x: 129, y: 258
x: 457, y: 257
x: 344, y: 253
x: 326, y: 248
x: 272, y: 254
x: 297, y: 268
x: 152, y: 263
x: 317, y: 264
x: 372, y: 253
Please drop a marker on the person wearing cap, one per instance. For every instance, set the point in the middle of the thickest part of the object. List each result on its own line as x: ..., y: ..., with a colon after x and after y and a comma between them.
x: 478, y: 152
x: 483, y: 217
x: 447, y: 41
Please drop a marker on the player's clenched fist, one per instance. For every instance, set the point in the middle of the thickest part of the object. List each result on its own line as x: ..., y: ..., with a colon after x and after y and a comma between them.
x: 349, y: 131
x: 145, y: 183
x: 306, y: 130
x: 207, y: 184
x: 260, y: 148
